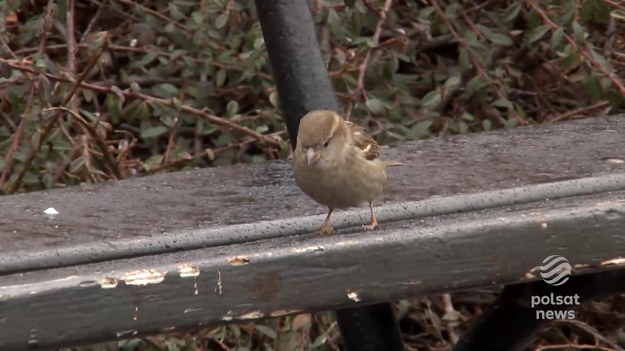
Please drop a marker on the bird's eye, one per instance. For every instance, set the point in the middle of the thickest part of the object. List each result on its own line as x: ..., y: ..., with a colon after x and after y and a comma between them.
x: 326, y: 143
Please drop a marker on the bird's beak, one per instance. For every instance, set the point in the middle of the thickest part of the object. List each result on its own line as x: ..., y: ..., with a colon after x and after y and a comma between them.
x: 311, y: 156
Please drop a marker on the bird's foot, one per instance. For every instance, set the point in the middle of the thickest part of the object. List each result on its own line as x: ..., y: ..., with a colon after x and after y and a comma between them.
x: 326, y: 229
x: 371, y: 226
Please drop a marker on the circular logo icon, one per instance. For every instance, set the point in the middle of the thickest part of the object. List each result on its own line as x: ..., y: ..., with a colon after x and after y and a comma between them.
x: 555, y: 270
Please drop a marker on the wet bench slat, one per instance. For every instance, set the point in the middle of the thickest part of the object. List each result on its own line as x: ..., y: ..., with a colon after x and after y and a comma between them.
x: 184, y: 249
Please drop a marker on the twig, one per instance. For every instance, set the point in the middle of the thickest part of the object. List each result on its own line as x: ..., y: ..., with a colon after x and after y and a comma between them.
x: 8, y: 159
x: 588, y: 56
x: 66, y: 99
x: 172, y: 133
x: 130, y: 94
x: 110, y: 160
x: 157, y: 15
x: 578, y: 111
x: 360, y: 89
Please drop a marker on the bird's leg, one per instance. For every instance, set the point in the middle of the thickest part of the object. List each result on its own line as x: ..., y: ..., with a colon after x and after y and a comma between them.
x: 373, y: 223
x: 326, y: 228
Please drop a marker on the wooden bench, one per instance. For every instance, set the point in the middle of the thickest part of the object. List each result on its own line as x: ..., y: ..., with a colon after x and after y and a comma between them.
x: 217, y: 245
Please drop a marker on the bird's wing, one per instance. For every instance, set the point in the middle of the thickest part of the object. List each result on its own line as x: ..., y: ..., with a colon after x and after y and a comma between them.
x: 364, y: 142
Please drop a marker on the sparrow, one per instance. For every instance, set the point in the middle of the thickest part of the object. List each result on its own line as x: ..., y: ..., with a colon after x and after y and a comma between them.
x: 337, y: 164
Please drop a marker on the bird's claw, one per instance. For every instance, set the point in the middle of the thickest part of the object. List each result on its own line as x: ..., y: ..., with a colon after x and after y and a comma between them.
x: 326, y: 229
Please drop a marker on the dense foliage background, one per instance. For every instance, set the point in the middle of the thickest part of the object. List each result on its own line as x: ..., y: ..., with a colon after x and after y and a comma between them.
x: 108, y: 89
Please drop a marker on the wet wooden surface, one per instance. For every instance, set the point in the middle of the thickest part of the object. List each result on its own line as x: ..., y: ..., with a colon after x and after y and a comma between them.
x: 215, y: 197
x: 151, y: 293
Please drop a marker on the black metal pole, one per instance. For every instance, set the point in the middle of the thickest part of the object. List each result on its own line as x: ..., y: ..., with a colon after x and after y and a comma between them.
x: 304, y: 85
x: 510, y: 323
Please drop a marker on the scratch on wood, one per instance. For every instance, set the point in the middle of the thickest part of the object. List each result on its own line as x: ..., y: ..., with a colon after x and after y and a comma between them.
x: 108, y: 283
x: 614, y: 261
x: 219, y: 285
x: 88, y: 283
x: 136, y: 315
x: 238, y: 260
x: 188, y: 270
x: 309, y: 249
x: 352, y: 295
x: 144, y: 277
x: 192, y: 309
x: 124, y: 333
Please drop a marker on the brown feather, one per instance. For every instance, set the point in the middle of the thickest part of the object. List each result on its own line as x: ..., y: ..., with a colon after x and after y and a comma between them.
x: 369, y: 147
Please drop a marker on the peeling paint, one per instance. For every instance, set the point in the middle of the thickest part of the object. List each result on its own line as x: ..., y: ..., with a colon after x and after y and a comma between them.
x: 135, y: 317
x: 188, y: 270
x: 580, y: 265
x: 192, y: 309
x: 544, y: 225
x: 238, y: 260
x: 529, y: 275
x: 125, y: 333
x: 144, y: 277
x: 614, y: 261
x: 108, y: 283
x: 197, y: 291
x: 228, y: 316
x: 352, y: 295
x: 280, y: 313
x: 318, y: 248
x: 167, y: 329
x: 252, y: 315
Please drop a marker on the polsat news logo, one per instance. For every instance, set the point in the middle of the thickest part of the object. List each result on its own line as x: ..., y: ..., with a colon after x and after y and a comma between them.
x: 555, y: 270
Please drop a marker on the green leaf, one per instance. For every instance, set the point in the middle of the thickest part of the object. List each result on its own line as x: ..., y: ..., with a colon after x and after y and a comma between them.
x: 497, y: 38
x: 512, y: 12
x: 463, y: 128
x: 537, y: 33
x: 420, y: 130
x: 486, y: 124
x: 579, y: 33
x: 221, y: 21
x: 468, y: 117
x: 376, y: 106
x: 220, y: 79
x: 505, y: 103
x: 431, y: 99
x: 557, y: 38
x: 267, y: 331
x: 274, y: 99
x: 618, y: 15
x: 166, y: 90
x: 152, y: 132
x: 197, y: 17
x: 77, y: 163
x: 232, y: 108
